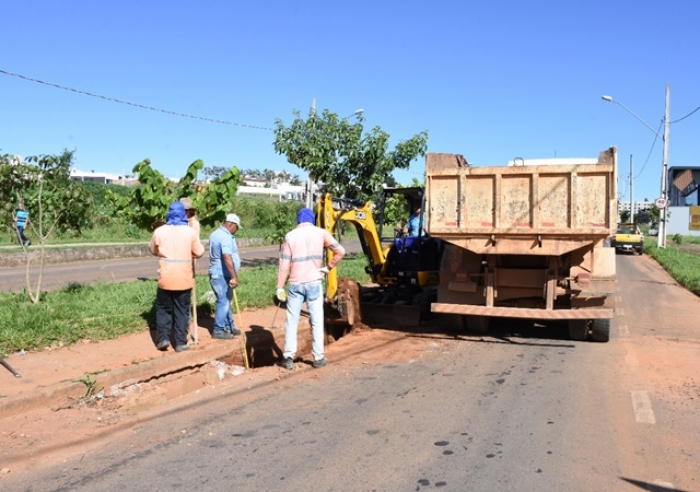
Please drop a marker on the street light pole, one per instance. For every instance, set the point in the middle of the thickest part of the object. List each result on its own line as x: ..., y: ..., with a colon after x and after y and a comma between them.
x: 664, y: 177
x: 661, y: 240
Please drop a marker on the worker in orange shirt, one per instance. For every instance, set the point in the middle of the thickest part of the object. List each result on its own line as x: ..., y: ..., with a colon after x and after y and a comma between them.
x: 175, y: 244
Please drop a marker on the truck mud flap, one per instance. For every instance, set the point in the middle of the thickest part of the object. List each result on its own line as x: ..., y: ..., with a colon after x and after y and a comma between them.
x: 390, y: 315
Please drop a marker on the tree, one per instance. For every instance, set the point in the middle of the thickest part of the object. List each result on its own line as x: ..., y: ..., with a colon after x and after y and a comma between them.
x: 336, y: 153
x: 149, y: 202
x: 54, y: 202
x: 624, y: 216
x: 214, y: 172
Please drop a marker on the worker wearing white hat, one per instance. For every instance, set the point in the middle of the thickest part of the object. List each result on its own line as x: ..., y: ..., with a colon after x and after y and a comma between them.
x: 224, y: 263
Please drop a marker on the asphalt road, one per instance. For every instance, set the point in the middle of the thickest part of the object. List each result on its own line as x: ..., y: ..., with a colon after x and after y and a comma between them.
x: 59, y: 275
x: 522, y: 409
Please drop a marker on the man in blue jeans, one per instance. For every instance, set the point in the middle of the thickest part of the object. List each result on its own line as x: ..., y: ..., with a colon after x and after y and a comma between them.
x: 224, y: 263
x: 21, y: 220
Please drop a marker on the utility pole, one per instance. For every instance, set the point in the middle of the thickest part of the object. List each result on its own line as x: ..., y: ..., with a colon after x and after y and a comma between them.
x: 664, y: 176
x: 309, y: 182
x: 632, y: 191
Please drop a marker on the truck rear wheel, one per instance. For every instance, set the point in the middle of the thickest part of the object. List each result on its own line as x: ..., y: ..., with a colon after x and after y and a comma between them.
x: 478, y: 324
x: 600, y: 330
x: 578, y: 329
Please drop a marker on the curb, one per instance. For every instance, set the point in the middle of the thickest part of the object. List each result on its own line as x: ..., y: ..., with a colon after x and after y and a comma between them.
x: 113, y: 380
x: 64, y: 253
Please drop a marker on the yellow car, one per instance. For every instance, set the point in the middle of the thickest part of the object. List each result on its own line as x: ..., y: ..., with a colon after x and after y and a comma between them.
x: 628, y: 238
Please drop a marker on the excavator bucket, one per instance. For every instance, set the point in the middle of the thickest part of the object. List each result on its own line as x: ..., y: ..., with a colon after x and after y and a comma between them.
x: 352, y: 311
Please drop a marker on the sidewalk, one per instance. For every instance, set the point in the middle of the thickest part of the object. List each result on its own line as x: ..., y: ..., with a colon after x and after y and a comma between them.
x: 51, y: 377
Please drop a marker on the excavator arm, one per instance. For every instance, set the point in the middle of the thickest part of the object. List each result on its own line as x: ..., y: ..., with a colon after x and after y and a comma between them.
x: 331, y: 212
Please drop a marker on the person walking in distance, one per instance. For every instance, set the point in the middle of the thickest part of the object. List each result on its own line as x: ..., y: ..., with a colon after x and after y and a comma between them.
x: 21, y: 221
x: 224, y: 263
x: 175, y: 244
x: 302, y: 260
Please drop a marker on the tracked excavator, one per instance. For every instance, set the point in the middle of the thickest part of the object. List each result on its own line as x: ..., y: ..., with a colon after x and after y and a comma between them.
x: 404, y: 270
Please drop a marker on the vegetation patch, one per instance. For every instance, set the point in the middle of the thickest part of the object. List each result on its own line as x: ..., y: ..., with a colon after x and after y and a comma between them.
x: 683, y: 265
x: 107, y: 311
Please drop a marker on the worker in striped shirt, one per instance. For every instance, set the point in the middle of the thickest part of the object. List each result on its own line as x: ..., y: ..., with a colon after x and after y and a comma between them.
x: 302, y: 259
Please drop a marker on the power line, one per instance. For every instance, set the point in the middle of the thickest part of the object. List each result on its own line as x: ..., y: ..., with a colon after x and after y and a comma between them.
x: 136, y: 105
x: 689, y: 114
x: 656, y: 137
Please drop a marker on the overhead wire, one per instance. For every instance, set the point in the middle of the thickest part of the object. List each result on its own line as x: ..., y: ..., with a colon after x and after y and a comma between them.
x: 686, y: 116
x: 137, y: 105
x: 656, y: 137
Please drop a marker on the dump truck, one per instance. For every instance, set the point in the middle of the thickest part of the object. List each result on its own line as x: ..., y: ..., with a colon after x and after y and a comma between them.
x: 525, y: 240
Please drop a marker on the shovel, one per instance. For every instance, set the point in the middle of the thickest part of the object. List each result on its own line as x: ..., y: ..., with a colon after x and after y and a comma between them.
x: 243, y: 338
x: 9, y: 368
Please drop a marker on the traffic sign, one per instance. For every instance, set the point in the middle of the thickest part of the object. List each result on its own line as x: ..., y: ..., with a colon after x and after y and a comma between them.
x: 660, y: 203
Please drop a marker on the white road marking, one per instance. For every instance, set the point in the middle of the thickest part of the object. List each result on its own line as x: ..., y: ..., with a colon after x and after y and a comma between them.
x: 642, y: 407
x: 624, y: 331
x: 620, y: 311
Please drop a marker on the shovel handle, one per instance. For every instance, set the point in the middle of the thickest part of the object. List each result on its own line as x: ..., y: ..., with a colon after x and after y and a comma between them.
x: 9, y: 368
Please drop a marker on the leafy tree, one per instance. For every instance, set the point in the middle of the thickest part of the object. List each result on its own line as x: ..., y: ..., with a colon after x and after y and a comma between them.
x: 337, y: 153
x: 149, y: 201
x: 214, y: 172
x: 295, y: 181
x: 54, y: 202
x: 624, y: 216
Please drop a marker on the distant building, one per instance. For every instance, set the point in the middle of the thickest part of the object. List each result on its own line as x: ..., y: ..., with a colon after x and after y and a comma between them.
x: 638, y: 206
x: 683, y: 186
x: 256, y: 182
x: 104, y: 178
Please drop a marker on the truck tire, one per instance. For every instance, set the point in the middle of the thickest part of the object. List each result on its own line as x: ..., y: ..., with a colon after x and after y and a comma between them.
x: 456, y: 322
x: 600, y: 330
x: 478, y: 324
x: 640, y: 251
x: 578, y: 329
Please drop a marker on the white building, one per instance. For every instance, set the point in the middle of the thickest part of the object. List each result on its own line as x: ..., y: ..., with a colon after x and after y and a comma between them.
x: 638, y: 206
x: 104, y: 178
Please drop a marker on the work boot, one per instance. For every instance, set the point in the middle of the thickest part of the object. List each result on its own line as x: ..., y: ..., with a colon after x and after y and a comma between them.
x: 235, y: 332
x: 163, y: 345
x: 320, y: 363
x: 222, y: 335
x: 181, y: 348
x: 287, y: 363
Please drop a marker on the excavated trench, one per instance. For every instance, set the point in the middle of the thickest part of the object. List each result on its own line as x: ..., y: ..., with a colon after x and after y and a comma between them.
x: 263, y: 349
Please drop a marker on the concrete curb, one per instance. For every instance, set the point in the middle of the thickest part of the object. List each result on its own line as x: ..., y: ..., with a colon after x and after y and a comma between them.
x: 113, y: 380
x: 64, y: 253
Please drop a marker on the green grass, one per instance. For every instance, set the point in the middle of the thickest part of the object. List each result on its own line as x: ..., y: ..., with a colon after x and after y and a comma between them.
x: 106, y: 311
x: 683, y: 266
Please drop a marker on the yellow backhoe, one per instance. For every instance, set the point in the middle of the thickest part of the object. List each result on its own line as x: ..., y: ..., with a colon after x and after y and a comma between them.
x: 404, y: 270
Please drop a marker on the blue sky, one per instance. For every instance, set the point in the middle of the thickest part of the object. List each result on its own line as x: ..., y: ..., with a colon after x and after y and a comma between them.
x: 488, y: 80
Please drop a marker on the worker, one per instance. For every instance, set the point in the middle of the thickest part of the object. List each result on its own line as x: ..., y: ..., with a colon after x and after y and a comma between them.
x: 414, y: 223
x: 302, y: 260
x: 191, y: 214
x: 224, y: 263
x: 175, y: 244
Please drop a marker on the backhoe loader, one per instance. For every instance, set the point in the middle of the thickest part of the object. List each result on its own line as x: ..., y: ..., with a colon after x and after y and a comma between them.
x: 404, y: 270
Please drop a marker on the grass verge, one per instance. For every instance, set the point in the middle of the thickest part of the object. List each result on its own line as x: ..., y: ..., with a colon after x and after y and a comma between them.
x: 683, y: 266
x: 106, y: 311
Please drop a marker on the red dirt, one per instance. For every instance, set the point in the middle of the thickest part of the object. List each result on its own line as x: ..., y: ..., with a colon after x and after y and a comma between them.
x: 48, y: 435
